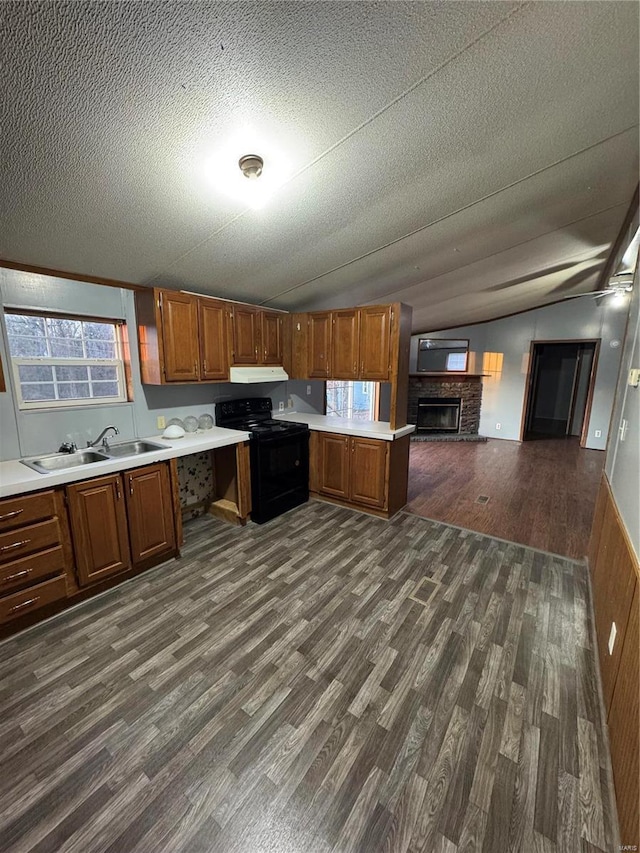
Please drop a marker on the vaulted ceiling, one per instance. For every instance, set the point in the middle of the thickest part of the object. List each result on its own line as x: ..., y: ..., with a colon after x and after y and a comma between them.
x: 471, y: 159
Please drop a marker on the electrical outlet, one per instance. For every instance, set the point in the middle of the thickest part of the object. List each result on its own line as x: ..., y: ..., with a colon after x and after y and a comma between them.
x: 281, y: 407
x: 161, y: 422
x: 612, y: 637
x: 598, y: 433
x: 290, y: 403
x: 634, y: 377
x: 308, y: 390
x: 498, y: 426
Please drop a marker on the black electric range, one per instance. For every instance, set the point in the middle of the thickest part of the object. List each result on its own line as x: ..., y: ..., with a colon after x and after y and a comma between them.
x: 279, y: 455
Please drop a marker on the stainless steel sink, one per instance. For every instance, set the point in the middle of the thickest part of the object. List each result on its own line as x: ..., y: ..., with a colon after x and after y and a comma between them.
x: 135, y: 447
x: 61, y: 461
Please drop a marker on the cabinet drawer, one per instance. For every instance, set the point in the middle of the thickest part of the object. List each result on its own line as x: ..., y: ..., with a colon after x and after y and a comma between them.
x: 26, y: 540
x: 12, y: 606
x: 16, y: 512
x: 27, y: 570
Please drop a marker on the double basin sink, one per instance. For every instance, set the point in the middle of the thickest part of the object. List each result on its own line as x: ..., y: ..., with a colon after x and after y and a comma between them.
x: 62, y: 461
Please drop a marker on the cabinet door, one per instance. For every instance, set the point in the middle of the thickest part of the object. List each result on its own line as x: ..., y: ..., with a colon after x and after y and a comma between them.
x: 180, y: 337
x: 375, y: 342
x: 213, y: 339
x: 151, y: 523
x: 319, y: 343
x: 271, y: 324
x: 345, y: 344
x: 245, y: 335
x: 333, y: 465
x: 368, y: 472
x: 99, y: 528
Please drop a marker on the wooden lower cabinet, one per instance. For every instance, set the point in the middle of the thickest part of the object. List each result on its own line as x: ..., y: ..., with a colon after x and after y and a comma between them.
x: 98, y: 516
x: 121, y: 520
x: 369, y: 472
x: 150, y: 512
x: 364, y: 472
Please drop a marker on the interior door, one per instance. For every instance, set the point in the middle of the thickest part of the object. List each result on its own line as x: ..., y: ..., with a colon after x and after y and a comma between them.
x: 99, y: 526
x: 213, y: 339
x: 180, y: 337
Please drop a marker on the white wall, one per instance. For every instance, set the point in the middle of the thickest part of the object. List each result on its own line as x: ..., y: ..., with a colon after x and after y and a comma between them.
x: 503, y: 391
x: 623, y: 456
x: 25, y: 433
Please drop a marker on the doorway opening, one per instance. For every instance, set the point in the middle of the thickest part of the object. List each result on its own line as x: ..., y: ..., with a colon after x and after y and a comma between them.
x: 559, y: 389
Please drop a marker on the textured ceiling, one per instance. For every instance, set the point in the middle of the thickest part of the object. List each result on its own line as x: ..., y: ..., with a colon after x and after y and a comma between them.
x: 471, y: 159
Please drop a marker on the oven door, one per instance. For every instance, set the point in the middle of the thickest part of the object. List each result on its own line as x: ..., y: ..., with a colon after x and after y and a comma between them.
x: 279, y: 474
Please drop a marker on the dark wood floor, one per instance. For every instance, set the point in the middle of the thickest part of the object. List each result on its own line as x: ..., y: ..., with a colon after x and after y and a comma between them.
x: 541, y: 493
x: 327, y: 682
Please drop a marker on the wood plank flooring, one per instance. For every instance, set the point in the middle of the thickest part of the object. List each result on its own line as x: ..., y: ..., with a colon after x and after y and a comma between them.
x: 327, y: 682
x: 541, y: 493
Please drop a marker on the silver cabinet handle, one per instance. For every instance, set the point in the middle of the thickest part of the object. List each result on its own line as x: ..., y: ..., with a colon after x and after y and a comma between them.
x: 9, y: 515
x: 15, y: 545
x: 26, y: 603
x: 15, y: 577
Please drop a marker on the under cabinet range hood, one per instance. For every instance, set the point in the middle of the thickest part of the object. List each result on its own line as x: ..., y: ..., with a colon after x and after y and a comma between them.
x: 250, y: 375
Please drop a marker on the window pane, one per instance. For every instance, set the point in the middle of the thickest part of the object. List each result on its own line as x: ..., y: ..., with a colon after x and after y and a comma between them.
x: 61, y: 327
x: 71, y: 374
x: 61, y: 348
x: 99, y: 331
x: 27, y: 347
x: 100, y: 349
x: 22, y: 324
x: 73, y: 390
x: 351, y: 400
x: 105, y: 389
x: 35, y: 373
x: 38, y: 392
x: 103, y: 372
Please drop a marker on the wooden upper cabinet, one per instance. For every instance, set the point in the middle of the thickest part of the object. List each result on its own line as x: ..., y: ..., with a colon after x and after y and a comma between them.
x: 179, y: 317
x: 151, y: 524
x: 369, y: 472
x: 99, y: 528
x: 214, y: 363
x: 319, y: 344
x: 375, y: 342
x: 245, y: 345
x: 272, y: 347
x: 334, y: 465
x: 345, y: 349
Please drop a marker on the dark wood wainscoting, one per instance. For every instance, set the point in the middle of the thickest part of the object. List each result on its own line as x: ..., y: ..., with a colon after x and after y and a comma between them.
x: 615, y: 577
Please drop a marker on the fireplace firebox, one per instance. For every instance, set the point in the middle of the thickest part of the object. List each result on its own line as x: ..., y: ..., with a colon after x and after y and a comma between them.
x: 439, y: 414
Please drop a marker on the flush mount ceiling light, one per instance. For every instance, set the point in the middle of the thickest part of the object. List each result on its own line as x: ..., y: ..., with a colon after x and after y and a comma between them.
x: 251, y: 166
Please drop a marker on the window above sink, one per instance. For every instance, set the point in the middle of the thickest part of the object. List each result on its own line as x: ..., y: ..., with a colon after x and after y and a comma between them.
x: 60, y: 360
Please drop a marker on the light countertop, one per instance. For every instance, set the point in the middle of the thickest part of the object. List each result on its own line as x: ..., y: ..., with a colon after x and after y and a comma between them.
x: 346, y: 426
x: 16, y: 478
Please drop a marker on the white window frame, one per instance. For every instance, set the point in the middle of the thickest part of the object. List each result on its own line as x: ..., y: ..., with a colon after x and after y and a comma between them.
x: 118, y: 363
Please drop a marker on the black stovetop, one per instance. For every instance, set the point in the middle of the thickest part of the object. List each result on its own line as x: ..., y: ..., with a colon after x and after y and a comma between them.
x: 254, y: 415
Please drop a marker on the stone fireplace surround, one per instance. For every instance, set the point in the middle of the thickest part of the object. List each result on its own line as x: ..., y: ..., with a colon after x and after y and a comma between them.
x: 467, y: 387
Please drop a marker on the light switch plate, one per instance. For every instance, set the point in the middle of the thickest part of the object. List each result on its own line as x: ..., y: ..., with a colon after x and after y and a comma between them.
x: 634, y: 377
x: 612, y: 637
x: 160, y: 422
x: 308, y: 390
x: 598, y: 433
